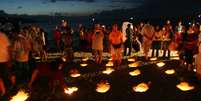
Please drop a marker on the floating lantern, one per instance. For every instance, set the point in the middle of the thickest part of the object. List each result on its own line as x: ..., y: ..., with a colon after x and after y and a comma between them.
x: 184, y: 86
x: 108, y: 71
x: 160, y: 64
x: 20, y: 96
x: 70, y: 90
x: 170, y: 71
x: 131, y: 60
x: 83, y: 64
x: 142, y: 87
x: 153, y: 59
x: 135, y: 64
x: 109, y: 64
x: 74, y: 73
x: 135, y: 72
x: 102, y: 87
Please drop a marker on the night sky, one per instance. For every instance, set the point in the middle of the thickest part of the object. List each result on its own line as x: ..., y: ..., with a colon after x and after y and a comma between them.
x: 86, y: 7
x: 65, y: 6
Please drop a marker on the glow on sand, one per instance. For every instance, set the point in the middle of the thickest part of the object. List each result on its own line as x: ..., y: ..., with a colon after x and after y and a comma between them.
x: 184, y: 86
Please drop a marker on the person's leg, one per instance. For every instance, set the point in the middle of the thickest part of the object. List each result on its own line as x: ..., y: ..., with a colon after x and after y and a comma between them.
x: 2, y: 87
x: 130, y: 49
x: 125, y: 48
x: 100, y: 56
x: 119, y: 56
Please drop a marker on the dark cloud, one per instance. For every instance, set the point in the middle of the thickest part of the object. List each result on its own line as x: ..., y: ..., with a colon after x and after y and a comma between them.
x: 19, y: 7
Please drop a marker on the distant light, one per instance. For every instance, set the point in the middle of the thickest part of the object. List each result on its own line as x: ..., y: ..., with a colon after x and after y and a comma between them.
x: 199, y: 16
x: 93, y: 19
x: 131, y: 18
x: 189, y: 23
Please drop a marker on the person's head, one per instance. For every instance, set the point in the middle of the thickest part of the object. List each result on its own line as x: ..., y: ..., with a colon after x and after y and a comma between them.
x: 129, y: 25
x: 115, y: 27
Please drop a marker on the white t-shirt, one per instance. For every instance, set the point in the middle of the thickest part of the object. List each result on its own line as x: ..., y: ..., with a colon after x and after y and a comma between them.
x: 4, y: 45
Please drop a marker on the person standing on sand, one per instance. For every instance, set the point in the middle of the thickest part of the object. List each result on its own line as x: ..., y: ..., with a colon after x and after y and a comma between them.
x: 116, y: 41
x: 148, y: 34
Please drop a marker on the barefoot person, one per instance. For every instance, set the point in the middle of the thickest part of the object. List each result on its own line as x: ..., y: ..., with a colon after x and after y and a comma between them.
x: 116, y: 40
x: 97, y: 43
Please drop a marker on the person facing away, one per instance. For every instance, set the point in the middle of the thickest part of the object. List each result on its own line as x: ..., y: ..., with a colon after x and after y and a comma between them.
x: 97, y: 43
x: 128, y: 42
x: 22, y: 48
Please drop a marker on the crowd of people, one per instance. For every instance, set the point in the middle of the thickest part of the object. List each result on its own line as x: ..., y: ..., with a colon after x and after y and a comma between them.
x: 18, y: 46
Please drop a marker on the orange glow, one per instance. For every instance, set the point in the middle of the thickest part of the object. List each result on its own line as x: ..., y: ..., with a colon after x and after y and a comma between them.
x: 108, y: 71
x: 142, y: 87
x: 135, y: 64
x: 102, y: 87
x: 135, y: 72
x: 20, y: 96
x: 184, y: 86
x: 70, y: 90
x: 109, y: 64
x: 170, y: 71
x: 74, y: 73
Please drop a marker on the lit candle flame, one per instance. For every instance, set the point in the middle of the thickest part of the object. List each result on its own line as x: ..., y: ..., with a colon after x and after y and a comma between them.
x: 170, y: 71
x: 108, y: 71
x: 75, y: 75
x: 70, y: 90
x: 135, y: 64
x: 85, y: 59
x: 160, y: 64
x: 174, y: 58
x: 184, y: 86
x: 102, y: 87
x: 135, y: 72
x: 83, y: 64
x: 142, y: 87
x: 109, y: 64
x: 131, y: 60
x: 20, y: 96
x: 153, y: 59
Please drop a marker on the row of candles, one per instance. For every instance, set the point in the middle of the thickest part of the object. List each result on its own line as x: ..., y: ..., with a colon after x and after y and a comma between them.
x: 104, y: 86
